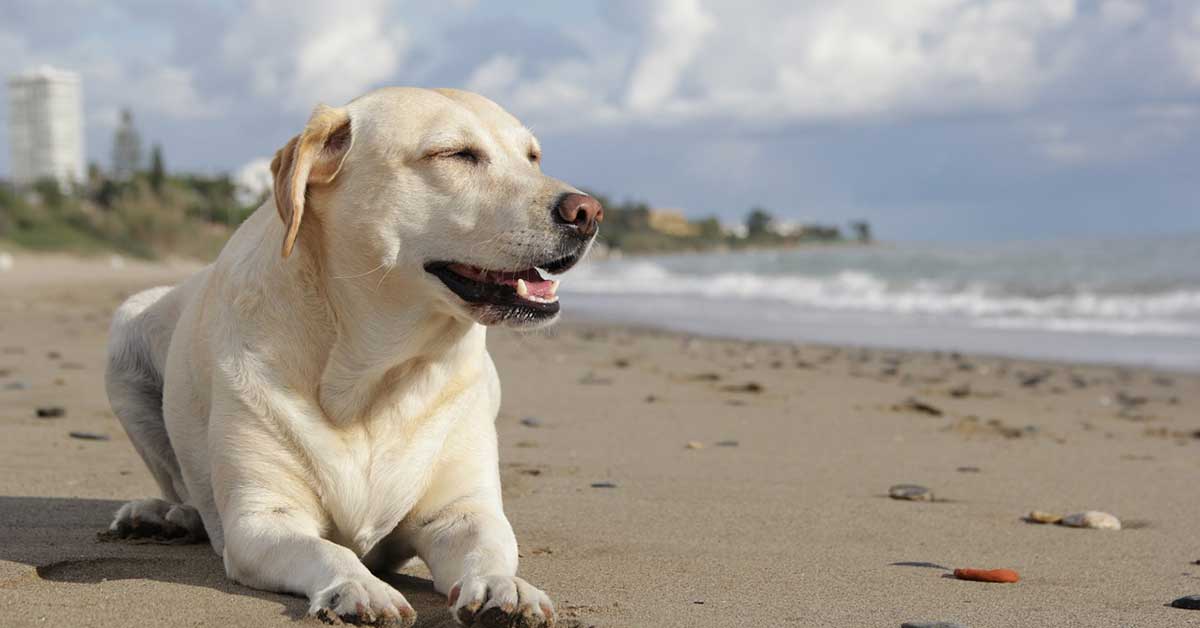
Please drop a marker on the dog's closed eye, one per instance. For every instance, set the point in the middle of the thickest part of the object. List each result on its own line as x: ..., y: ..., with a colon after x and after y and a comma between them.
x: 469, y: 155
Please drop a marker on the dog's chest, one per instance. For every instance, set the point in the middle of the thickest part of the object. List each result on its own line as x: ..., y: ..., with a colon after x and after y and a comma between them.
x: 385, y: 468
x: 373, y: 484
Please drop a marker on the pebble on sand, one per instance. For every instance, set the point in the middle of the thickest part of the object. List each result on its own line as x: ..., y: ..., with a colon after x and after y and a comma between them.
x: 1037, y: 516
x: 88, y: 436
x: 1189, y: 602
x: 51, y: 412
x: 1092, y: 519
x: 910, y: 492
x: 931, y: 624
x: 603, y: 485
x: 912, y: 404
x: 531, y: 421
x: 726, y: 443
x: 694, y: 444
x: 987, y: 575
x: 748, y: 387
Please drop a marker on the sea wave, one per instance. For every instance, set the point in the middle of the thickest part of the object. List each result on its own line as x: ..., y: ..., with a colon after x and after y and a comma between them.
x: 1163, y: 312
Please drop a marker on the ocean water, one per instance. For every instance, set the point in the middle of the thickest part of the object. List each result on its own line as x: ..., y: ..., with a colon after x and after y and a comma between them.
x: 1129, y: 301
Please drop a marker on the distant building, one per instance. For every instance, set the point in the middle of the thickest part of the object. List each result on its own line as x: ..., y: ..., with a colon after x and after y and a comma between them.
x: 127, y: 148
x: 672, y: 222
x: 45, y: 108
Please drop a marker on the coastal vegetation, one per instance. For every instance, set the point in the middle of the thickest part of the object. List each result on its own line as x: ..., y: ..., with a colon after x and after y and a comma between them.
x: 150, y: 213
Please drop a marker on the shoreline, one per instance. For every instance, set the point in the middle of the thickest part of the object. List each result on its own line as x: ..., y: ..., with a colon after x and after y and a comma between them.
x: 585, y: 322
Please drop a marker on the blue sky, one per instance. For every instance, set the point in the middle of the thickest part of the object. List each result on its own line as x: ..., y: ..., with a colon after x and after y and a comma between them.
x: 934, y: 119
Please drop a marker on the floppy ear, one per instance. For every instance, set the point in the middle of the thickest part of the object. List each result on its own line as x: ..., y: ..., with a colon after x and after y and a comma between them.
x: 312, y: 158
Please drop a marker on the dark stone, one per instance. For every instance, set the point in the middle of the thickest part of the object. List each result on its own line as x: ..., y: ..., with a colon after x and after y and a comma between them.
x: 910, y: 492
x: 958, y: 392
x: 913, y: 404
x: 531, y: 421
x: 726, y: 443
x: 88, y: 436
x: 51, y: 412
x: 1029, y: 381
x: 603, y: 485
x: 1189, y: 602
x: 969, y: 469
x: 931, y: 624
x: 748, y: 387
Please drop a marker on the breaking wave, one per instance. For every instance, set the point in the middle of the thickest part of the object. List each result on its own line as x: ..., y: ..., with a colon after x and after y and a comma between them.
x: 1169, y: 312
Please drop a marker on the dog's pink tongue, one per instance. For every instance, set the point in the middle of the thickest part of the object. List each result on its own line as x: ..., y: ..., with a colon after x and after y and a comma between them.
x: 543, y: 288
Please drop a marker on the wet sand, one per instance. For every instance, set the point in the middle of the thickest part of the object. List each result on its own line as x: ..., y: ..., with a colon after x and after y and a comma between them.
x: 657, y: 479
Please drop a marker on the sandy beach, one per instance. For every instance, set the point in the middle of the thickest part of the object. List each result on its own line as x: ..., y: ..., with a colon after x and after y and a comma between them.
x: 657, y: 479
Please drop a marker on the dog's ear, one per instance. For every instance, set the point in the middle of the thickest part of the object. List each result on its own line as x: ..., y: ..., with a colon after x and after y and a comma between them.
x: 312, y: 158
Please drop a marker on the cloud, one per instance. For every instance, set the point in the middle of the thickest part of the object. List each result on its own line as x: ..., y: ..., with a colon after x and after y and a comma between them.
x: 677, y: 31
x: 494, y: 75
x: 313, y: 51
x: 803, y: 61
x: 1187, y: 45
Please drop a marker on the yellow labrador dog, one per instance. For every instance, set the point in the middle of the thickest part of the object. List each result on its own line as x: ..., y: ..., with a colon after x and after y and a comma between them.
x: 319, y: 403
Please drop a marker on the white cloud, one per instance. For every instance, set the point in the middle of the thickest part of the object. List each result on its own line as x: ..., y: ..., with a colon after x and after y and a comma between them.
x: 314, y: 51
x: 1123, y: 136
x: 494, y: 75
x: 1187, y: 46
x: 1122, y: 12
x: 678, y: 29
x: 763, y: 62
x: 253, y: 180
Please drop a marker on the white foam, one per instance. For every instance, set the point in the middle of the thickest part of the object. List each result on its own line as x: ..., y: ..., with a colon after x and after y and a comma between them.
x: 1170, y: 312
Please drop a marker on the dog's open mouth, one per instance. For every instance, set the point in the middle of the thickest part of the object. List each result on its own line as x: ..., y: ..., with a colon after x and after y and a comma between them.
x: 524, y: 289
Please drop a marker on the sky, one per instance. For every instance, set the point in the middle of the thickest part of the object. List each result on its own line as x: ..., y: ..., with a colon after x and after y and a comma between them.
x: 933, y: 119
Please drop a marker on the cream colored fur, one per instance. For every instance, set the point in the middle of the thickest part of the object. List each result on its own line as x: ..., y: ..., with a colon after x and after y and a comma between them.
x: 327, y: 410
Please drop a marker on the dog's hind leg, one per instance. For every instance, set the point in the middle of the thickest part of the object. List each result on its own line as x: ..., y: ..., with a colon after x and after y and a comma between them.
x: 135, y: 384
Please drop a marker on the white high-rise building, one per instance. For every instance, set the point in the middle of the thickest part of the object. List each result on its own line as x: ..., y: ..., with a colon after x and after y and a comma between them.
x: 45, y: 108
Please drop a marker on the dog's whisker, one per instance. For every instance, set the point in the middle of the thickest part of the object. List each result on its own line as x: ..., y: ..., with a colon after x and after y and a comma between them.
x: 381, y: 265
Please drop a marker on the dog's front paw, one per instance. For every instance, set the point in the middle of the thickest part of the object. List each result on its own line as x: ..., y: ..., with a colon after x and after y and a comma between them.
x: 365, y: 601
x: 495, y: 601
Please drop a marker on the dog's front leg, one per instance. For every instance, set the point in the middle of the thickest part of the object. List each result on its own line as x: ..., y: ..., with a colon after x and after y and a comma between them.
x: 472, y: 553
x: 279, y: 548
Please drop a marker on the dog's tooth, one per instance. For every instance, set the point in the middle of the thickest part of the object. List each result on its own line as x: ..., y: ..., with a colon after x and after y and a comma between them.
x: 553, y: 287
x: 522, y: 289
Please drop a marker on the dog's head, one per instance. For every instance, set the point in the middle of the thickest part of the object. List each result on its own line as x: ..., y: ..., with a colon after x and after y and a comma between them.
x: 437, y: 195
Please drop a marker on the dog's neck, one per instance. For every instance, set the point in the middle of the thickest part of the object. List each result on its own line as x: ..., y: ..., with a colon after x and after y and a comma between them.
x: 393, y: 352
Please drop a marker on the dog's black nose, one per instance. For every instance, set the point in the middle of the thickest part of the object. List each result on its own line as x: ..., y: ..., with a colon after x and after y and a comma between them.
x: 579, y: 211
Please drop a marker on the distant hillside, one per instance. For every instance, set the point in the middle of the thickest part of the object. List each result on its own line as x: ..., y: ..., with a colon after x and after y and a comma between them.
x: 154, y: 215
x: 147, y: 216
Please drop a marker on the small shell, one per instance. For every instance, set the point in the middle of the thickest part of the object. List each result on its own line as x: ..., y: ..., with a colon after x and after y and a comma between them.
x: 1038, y: 516
x: 1092, y: 519
x: 910, y: 492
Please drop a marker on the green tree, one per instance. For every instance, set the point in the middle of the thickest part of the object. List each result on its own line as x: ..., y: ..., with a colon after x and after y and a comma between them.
x: 158, y: 172
x: 862, y: 231
x: 710, y: 229
x: 758, y: 223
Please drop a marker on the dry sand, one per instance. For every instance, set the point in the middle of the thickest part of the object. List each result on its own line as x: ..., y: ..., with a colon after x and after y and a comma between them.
x: 788, y: 524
